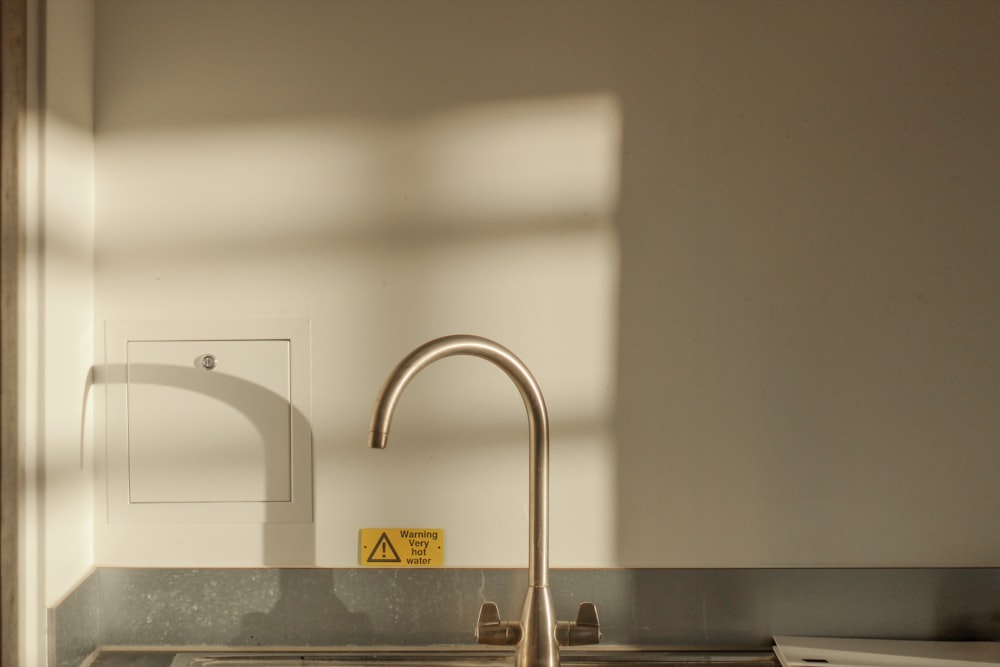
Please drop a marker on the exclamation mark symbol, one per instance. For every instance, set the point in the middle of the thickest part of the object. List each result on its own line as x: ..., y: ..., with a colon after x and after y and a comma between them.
x: 383, y: 551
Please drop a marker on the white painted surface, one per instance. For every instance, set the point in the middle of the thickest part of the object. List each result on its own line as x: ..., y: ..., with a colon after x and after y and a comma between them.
x: 810, y: 300
x: 486, y: 214
x: 749, y: 250
x: 57, y: 337
x: 66, y: 324
x: 186, y: 443
x: 198, y: 443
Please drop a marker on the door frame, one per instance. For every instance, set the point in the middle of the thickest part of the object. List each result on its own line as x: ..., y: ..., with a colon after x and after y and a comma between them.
x: 13, y: 110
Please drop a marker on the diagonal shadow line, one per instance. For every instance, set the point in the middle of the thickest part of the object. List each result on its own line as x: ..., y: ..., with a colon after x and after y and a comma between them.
x: 255, y: 402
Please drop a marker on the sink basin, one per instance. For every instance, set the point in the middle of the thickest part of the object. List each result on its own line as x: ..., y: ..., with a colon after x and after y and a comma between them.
x: 343, y: 658
x: 447, y: 657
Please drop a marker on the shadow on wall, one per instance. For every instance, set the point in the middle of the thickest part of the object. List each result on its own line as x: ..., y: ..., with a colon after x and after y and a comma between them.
x: 255, y: 404
x: 394, y: 173
x: 307, y: 613
x: 524, y: 251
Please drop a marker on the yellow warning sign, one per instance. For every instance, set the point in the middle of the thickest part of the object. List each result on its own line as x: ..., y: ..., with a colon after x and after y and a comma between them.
x: 401, y: 547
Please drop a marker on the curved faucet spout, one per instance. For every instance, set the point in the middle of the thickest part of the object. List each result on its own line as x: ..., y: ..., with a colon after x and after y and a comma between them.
x: 538, y: 427
x: 537, y: 635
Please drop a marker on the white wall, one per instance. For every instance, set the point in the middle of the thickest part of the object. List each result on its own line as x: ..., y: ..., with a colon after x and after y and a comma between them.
x: 811, y: 291
x: 58, y: 503
x: 252, y: 164
x: 68, y: 292
x: 748, y: 249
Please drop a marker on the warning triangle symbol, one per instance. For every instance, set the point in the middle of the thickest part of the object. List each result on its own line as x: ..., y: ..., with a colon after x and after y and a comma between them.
x: 383, y: 551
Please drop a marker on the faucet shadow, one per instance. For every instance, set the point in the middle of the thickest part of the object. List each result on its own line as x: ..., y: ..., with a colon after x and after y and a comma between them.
x: 249, y: 399
x: 307, y: 613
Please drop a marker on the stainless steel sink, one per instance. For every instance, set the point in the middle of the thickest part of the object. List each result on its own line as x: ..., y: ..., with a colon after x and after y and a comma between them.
x: 447, y: 657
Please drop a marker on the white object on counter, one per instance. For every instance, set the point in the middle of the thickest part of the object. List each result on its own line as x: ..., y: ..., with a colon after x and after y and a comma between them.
x: 836, y: 652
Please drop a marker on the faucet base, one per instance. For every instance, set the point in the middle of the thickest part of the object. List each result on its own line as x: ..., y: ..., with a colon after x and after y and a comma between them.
x: 538, y: 646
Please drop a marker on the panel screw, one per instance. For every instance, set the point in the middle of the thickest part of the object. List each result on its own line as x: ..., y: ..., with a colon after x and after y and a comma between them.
x: 208, y: 362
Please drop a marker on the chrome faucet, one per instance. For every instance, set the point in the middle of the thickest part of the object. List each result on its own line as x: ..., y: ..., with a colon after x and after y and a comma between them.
x: 538, y: 635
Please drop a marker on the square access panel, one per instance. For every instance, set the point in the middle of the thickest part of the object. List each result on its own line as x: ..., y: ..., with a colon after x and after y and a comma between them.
x: 208, y: 421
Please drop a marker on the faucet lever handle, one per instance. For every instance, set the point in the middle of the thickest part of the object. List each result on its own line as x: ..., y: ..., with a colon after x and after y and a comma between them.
x: 491, y: 630
x: 585, y: 630
x: 586, y: 615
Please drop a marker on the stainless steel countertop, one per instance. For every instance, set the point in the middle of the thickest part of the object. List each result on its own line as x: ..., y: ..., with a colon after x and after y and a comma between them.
x: 423, y: 657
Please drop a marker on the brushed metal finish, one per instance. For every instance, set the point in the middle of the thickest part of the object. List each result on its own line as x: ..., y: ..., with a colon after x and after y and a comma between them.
x: 450, y: 657
x: 535, y: 635
x: 538, y: 427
